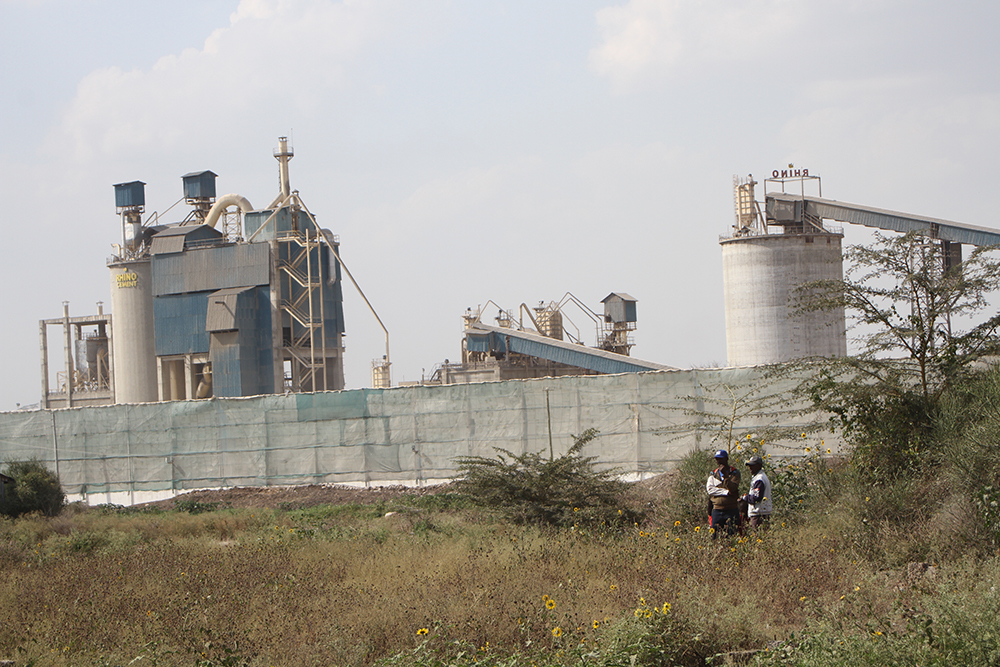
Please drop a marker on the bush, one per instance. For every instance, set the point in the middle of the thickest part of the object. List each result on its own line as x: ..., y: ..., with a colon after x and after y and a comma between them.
x: 35, y: 489
x: 531, y: 489
x: 687, y: 499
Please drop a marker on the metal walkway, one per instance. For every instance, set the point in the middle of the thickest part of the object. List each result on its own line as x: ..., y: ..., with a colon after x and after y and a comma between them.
x: 784, y: 207
x: 498, y: 340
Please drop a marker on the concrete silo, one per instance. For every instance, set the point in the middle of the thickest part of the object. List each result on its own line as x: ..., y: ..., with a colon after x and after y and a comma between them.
x: 764, y: 261
x: 132, y: 303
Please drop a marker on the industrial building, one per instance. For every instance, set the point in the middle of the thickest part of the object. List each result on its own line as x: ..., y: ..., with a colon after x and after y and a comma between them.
x: 548, y: 344
x: 771, y: 252
x: 255, y: 307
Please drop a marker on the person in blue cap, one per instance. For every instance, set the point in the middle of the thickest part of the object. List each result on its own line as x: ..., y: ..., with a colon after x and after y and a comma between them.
x: 723, y: 489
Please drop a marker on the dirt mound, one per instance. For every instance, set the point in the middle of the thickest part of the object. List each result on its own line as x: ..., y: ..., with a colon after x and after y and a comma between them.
x: 297, y: 497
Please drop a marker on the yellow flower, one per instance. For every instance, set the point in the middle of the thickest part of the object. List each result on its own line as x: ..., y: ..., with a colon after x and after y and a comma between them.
x: 697, y: 528
x: 857, y: 588
x: 642, y: 601
x: 557, y: 631
x: 802, y: 599
x: 545, y: 598
x: 597, y: 624
x: 827, y: 450
x: 711, y: 531
x: 677, y: 539
x: 748, y: 436
x: 666, y: 607
x: 638, y: 612
x: 648, y: 614
x: 754, y: 450
x: 676, y: 523
x: 803, y: 434
x: 422, y: 631
x: 613, y: 587
x: 550, y: 604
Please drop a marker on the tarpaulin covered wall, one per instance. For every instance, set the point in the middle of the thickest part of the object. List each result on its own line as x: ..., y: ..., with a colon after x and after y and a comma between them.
x: 647, y: 421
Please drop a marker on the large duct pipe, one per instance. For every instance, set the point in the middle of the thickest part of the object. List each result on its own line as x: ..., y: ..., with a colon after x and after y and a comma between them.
x: 224, y: 202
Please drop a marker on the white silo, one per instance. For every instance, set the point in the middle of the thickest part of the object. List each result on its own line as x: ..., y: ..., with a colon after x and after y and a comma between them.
x: 761, y: 272
x: 134, y: 346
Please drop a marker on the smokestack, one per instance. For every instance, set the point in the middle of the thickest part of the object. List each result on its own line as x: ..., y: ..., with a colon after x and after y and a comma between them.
x: 283, y: 155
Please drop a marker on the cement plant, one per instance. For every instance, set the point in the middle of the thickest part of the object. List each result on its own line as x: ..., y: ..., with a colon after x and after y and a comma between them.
x: 221, y: 362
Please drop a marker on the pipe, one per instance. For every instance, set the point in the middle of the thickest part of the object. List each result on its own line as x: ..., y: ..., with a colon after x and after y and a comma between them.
x: 224, y: 202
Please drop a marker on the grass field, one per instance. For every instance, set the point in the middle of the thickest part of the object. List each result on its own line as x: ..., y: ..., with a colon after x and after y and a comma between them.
x: 438, y: 582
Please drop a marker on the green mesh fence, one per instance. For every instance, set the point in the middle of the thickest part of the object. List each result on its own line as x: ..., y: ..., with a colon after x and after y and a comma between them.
x: 647, y: 421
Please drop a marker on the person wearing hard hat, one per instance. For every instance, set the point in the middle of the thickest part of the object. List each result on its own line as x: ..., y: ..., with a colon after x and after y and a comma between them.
x: 723, y: 487
x: 758, y: 498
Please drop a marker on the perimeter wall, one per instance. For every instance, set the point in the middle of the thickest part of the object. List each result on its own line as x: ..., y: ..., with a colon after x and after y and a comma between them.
x: 404, y: 435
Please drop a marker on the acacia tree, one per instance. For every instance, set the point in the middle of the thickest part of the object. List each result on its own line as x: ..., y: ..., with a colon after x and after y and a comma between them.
x: 903, y: 302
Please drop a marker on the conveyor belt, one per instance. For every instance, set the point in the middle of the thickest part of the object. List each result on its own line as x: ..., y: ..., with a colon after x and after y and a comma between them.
x: 783, y: 208
x: 497, y: 340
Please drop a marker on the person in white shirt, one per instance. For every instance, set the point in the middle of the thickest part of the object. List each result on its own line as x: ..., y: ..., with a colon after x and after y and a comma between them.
x: 758, y: 498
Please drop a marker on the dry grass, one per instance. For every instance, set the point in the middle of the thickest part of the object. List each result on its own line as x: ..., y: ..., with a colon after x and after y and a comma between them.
x: 347, y: 585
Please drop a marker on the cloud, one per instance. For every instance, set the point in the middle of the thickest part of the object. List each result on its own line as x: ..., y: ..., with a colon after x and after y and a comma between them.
x: 912, y: 126
x: 275, y: 59
x: 651, y: 39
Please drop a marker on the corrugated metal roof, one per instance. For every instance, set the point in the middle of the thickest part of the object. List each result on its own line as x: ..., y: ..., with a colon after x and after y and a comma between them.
x: 621, y: 295
x: 483, y: 337
x: 869, y: 216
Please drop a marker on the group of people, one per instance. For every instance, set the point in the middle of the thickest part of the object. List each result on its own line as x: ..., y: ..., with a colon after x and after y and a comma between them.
x: 723, y: 487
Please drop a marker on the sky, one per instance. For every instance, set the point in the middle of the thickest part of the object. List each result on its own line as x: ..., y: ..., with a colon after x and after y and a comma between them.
x: 472, y: 151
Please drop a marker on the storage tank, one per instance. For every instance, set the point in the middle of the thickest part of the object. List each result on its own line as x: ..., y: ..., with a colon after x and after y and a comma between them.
x: 549, y: 320
x: 132, y: 331
x: 760, y: 274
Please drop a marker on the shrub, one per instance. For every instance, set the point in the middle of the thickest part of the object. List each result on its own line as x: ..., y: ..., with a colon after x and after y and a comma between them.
x: 35, y: 489
x: 531, y: 489
x: 687, y: 500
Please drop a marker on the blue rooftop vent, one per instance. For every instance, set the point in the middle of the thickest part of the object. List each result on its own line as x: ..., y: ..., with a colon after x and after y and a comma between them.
x: 130, y: 195
x: 199, y: 185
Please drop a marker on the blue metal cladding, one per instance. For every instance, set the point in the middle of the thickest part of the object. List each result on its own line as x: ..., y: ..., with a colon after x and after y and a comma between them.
x: 130, y: 194
x: 199, y: 185
x: 211, y: 269
x: 179, y: 323
x: 242, y: 362
x: 284, y: 220
x: 333, y: 295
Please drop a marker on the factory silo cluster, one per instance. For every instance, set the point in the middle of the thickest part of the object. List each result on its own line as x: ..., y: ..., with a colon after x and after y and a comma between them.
x: 764, y: 261
x: 249, y: 309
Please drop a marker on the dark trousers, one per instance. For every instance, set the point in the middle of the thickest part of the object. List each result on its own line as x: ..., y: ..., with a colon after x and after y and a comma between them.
x: 725, y: 521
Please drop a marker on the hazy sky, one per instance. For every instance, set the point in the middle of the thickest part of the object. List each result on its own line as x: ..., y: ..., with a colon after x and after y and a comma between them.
x: 478, y: 150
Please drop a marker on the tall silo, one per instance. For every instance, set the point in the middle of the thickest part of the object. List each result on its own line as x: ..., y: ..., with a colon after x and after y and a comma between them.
x: 132, y: 303
x: 763, y: 264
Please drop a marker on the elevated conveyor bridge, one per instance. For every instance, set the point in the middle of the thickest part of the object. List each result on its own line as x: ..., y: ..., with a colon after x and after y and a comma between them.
x: 786, y: 209
x: 498, y: 341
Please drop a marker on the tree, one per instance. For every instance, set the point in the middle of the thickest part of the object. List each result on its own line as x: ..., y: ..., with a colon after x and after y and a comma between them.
x: 35, y: 489
x: 556, y: 491
x: 903, y: 300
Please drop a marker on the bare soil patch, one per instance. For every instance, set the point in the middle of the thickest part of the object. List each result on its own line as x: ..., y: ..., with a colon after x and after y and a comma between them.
x: 311, y: 495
